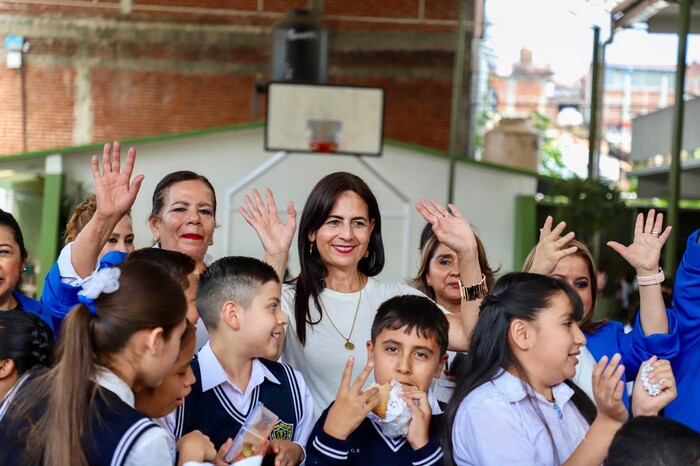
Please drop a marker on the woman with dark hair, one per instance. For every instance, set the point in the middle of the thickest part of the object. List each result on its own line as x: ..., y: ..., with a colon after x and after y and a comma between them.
x: 331, y: 304
x: 656, y: 330
x: 513, y: 402
x: 13, y: 261
x: 183, y: 215
x: 26, y: 342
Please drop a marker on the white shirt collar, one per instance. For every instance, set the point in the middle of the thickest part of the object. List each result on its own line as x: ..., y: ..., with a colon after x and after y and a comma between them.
x: 105, y: 378
x: 213, y: 374
x: 514, y: 389
x: 434, y: 405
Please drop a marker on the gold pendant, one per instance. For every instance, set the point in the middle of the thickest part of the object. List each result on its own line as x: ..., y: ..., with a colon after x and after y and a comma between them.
x: 349, y: 346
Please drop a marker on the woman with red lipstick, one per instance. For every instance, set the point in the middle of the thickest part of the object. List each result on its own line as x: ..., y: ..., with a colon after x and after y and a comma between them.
x: 331, y: 304
x: 183, y: 215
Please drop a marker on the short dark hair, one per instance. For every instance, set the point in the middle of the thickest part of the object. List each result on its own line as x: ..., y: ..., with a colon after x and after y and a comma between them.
x: 163, y: 186
x: 654, y: 441
x: 177, y: 264
x: 8, y: 220
x: 412, y: 312
x: 233, y: 278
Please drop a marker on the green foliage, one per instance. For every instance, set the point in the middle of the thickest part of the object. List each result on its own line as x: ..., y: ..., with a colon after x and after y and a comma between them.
x: 592, y: 205
x: 551, y: 162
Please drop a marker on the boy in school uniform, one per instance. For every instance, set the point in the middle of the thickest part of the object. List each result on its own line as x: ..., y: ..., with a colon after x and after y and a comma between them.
x: 409, y: 343
x: 239, y: 301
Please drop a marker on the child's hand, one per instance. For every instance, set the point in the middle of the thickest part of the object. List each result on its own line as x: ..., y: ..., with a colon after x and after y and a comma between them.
x: 287, y: 453
x: 643, y: 403
x: 420, y: 418
x: 351, y: 405
x: 195, y: 446
x: 608, y: 389
x: 219, y: 460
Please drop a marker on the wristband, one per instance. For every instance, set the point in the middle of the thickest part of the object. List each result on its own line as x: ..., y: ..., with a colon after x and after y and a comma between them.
x: 474, y: 292
x: 651, y: 279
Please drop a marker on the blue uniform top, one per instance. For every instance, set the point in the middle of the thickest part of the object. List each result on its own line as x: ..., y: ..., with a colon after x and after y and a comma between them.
x: 27, y: 304
x: 61, y: 297
x: 686, y: 365
x: 634, y: 347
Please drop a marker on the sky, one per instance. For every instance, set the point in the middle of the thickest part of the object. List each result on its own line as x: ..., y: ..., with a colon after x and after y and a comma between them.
x: 559, y: 33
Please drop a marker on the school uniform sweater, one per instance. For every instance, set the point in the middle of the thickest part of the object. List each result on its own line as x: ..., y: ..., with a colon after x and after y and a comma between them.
x: 210, y: 409
x: 367, y: 445
x: 116, y: 434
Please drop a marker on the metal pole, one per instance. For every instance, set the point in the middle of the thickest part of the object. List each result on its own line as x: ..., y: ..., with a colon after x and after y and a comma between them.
x: 457, y: 77
x: 674, y: 176
x: 593, y: 118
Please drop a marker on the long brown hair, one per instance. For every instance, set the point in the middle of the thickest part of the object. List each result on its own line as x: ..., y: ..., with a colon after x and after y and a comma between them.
x: 420, y: 281
x: 582, y: 251
x: 147, y: 298
x: 310, y: 282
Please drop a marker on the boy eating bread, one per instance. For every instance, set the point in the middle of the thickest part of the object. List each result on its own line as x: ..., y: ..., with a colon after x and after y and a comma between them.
x: 394, y: 422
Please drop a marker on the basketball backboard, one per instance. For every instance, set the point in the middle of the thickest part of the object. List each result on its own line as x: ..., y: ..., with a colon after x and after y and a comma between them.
x: 324, y: 118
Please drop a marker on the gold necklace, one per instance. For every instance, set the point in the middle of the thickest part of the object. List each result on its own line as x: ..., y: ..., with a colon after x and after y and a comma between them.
x: 348, y: 344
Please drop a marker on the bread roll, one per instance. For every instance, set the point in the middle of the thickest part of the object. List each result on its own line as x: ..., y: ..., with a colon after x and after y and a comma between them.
x: 383, y: 394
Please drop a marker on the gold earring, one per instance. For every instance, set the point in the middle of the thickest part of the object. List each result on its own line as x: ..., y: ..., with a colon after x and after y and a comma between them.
x: 211, y: 243
x: 366, y: 254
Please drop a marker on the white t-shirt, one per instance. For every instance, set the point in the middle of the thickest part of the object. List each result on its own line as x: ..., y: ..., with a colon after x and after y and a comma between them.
x: 322, y: 359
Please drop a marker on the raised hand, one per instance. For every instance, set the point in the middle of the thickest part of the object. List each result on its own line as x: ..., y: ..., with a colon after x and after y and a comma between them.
x: 115, y: 192
x: 275, y: 236
x: 643, y: 403
x: 451, y: 228
x: 608, y: 388
x: 352, y: 405
x: 649, y: 237
x: 550, y: 248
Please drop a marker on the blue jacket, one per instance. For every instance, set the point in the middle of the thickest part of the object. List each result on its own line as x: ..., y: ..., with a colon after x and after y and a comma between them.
x: 33, y: 306
x: 686, y: 365
x: 60, y: 297
x: 634, y: 347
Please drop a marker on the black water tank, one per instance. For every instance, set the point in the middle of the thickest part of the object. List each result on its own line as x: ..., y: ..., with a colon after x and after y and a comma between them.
x: 299, y: 49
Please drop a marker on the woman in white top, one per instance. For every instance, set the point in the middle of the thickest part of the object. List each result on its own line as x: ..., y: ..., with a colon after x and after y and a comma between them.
x: 513, y: 402
x: 331, y: 304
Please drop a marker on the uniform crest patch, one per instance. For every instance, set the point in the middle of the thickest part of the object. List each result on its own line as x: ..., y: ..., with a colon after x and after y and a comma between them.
x: 282, y: 431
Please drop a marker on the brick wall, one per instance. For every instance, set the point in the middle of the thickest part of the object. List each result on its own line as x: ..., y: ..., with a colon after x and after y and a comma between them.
x: 98, y: 70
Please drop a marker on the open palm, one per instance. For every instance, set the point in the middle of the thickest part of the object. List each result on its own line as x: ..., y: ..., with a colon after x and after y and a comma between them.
x: 644, y: 252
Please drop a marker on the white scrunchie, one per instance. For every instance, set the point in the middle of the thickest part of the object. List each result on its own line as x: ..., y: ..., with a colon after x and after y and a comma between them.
x: 102, y: 281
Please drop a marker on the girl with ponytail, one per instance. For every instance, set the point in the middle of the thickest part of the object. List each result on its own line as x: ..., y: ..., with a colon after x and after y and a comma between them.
x: 126, y: 331
x: 513, y: 402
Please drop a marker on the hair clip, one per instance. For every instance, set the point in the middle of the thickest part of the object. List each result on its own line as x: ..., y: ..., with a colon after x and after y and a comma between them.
x: 103, y: 281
